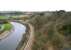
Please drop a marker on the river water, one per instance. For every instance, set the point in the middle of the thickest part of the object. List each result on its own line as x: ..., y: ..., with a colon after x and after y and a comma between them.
x: 11, y: 42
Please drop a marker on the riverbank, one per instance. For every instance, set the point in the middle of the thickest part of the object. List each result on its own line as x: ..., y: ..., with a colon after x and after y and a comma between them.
x: 6, y: 32
x: 27, y: 39
x: 30, y: 40
x: 5, y: 27
x: 24, y: 39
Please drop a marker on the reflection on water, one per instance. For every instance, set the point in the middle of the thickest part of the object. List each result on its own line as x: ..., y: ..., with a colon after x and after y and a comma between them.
x: 11, y: 42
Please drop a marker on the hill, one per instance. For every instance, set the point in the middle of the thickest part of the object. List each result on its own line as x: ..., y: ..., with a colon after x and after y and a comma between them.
x: 52, y: 30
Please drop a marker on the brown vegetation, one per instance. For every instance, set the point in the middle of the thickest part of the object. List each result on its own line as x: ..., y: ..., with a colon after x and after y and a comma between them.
x: 49, y: 30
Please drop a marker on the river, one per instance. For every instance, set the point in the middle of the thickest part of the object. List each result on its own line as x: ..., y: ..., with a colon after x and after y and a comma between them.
x: 11, y: 42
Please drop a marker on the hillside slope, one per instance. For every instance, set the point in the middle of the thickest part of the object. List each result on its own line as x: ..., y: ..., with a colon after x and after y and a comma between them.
x: 52, y: 30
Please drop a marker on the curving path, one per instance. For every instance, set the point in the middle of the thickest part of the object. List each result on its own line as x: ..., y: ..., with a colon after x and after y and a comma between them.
x: 31, y: 38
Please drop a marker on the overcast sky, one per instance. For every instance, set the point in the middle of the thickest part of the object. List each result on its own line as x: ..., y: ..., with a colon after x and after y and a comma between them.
x: 35, y: 5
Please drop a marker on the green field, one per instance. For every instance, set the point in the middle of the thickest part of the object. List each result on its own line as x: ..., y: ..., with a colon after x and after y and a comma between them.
x: 7, y: 26
x: 3, y: 17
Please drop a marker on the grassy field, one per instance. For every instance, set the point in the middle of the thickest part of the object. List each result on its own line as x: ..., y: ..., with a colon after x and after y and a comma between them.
x: 3, y: 17
x: 7, y: 26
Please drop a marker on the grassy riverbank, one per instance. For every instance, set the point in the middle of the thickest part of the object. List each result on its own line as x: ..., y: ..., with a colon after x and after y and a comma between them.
x: 4, y: 25
x: 7, y: 26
